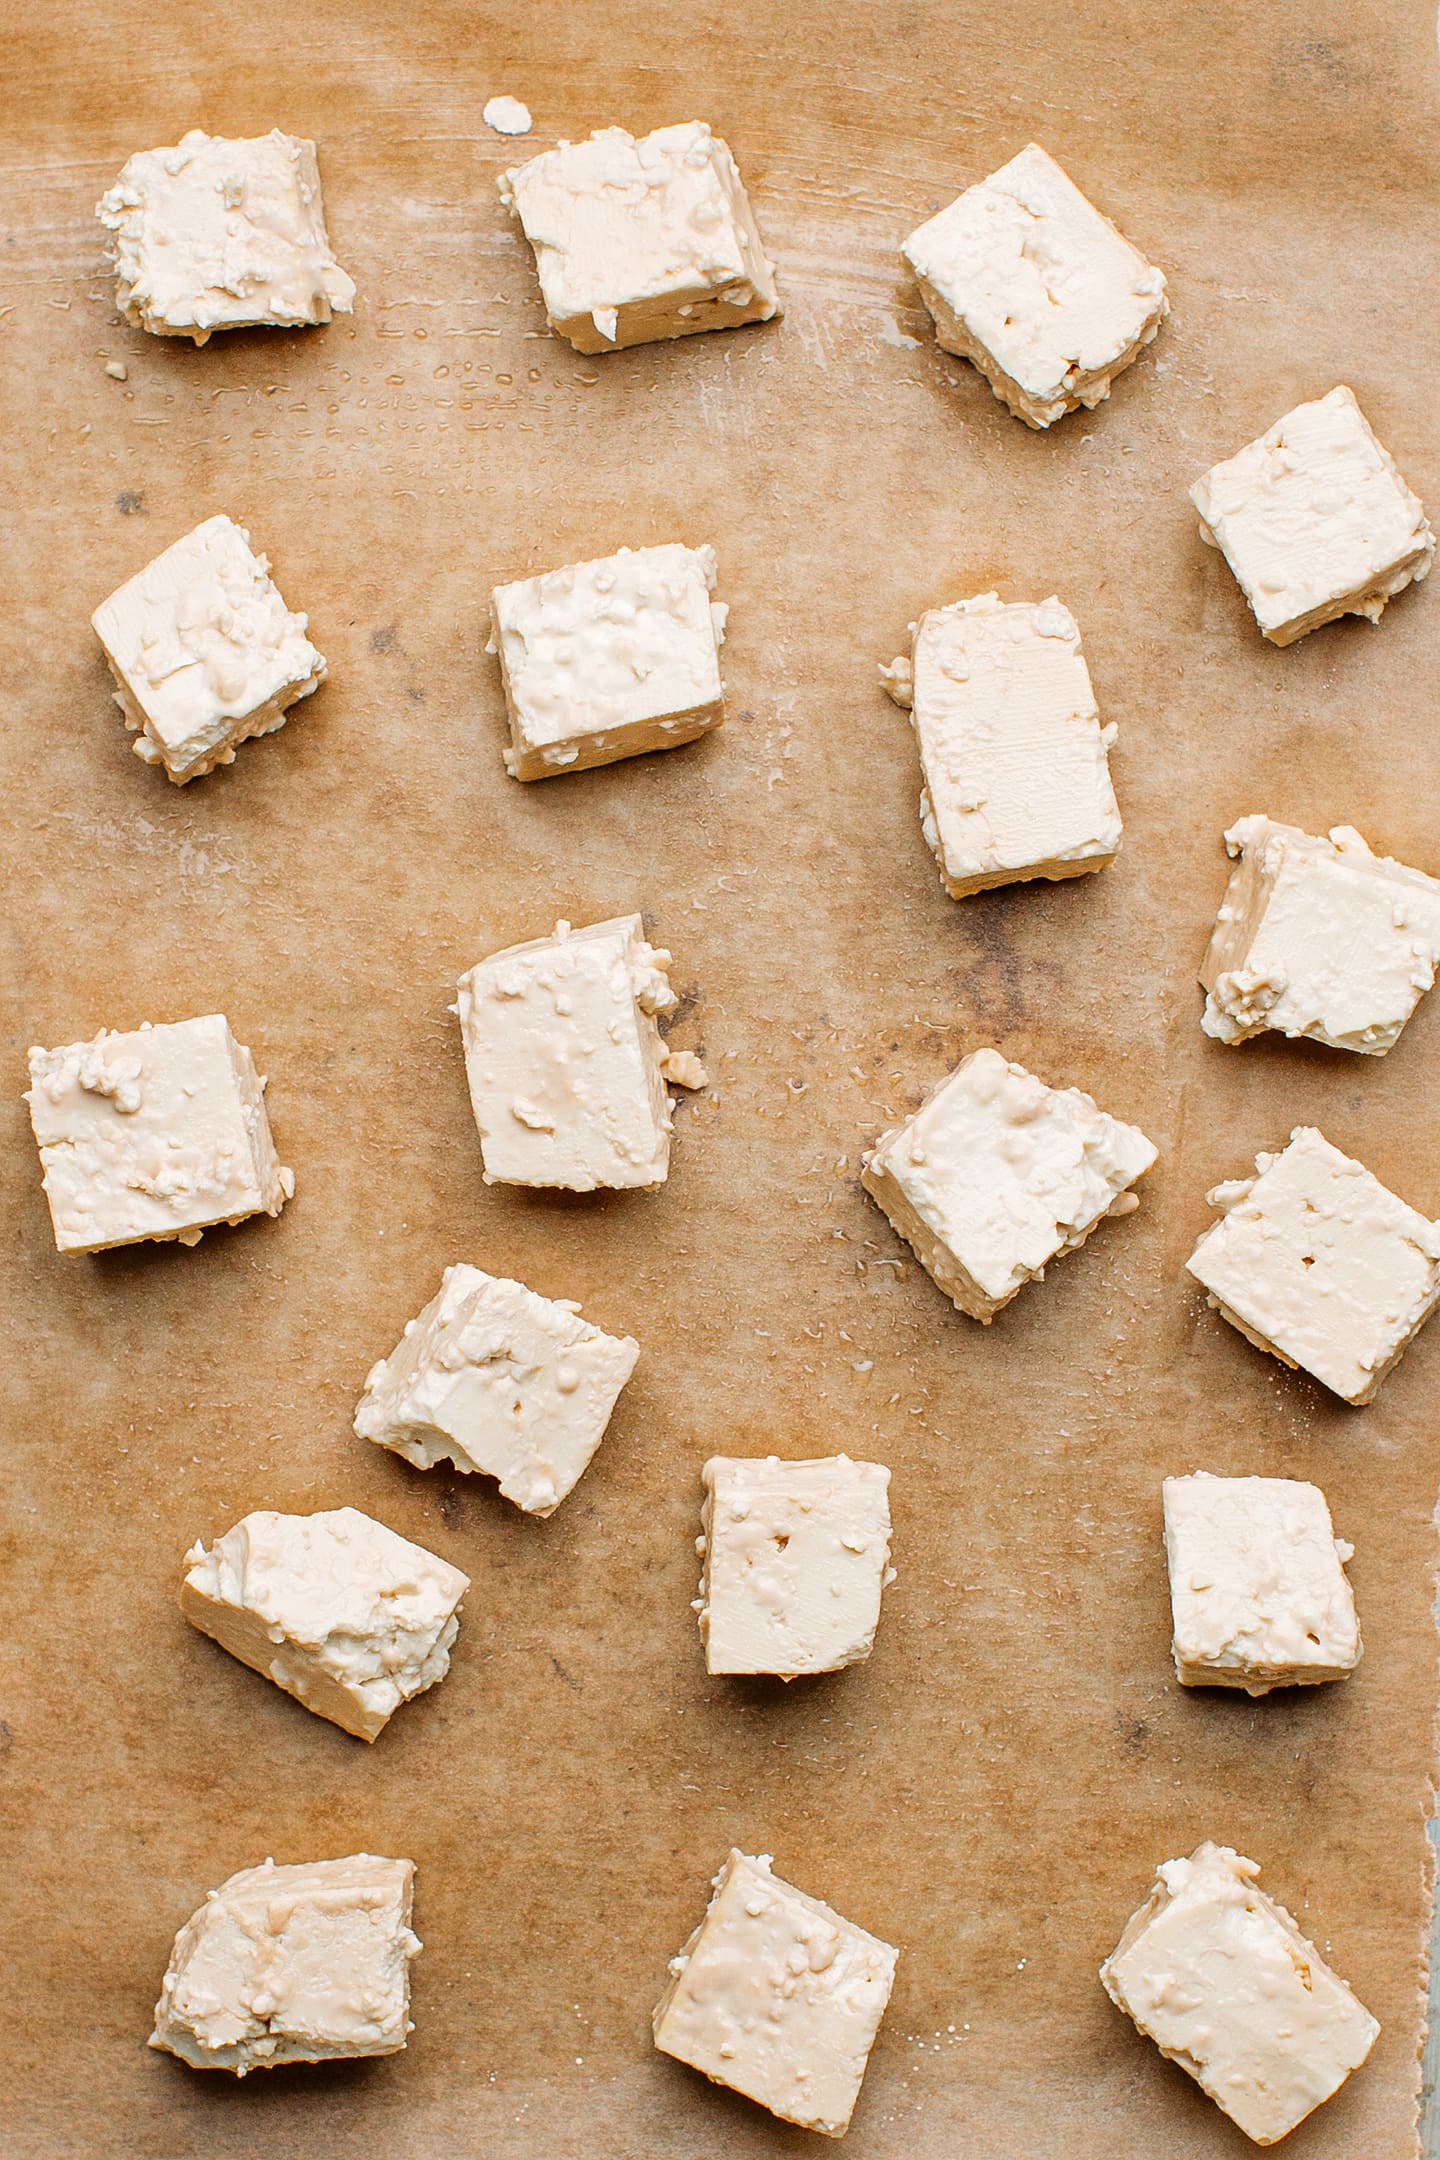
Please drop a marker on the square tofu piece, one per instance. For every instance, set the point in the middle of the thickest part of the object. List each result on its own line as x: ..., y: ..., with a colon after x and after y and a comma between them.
x: 1221, y: 1979
x: 157, y: 1134
x: 1315, y: 520
x: 492, y: 1377
x: 608, y: 659
x: 565, y: 1061
x: 777, y: 1997
x: 1319, y: 1263
x: 346, y: 1616
x: 1318, y: 938
x: 1257, y: 1584
x: 996, y: 1175
x: 204, y: 651
x: 1017, y: 783
x: 214, y: 233
x: 292, y: 1964
x: 641, y: 240
x: 1026, y: 278
x: 795, y: 1556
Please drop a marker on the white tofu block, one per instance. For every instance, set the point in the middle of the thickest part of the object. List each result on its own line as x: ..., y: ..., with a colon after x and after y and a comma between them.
x: 215, y: 233
x: 996, y: 1175
x: 1318, y: 938
x: 346, y: 1616
x: 795, y: 1556
x: 293, y: 1964
x: 157, y: 1134
x: 204, y: 651
x: 565, y: 1060
x: 1017, y: 783
x: 1217, y: 1974
x: 1025, y: 277
x: 1258, y: 1589
x: 607, y: 659
x: 1315, y: 520
x: 636, y: 240
x: 494, y: 1378
x: 1316, y: 1261
x: 777, y: 1997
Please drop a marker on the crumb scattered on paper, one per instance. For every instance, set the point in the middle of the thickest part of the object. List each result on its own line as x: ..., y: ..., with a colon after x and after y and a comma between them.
x: 507, y: 116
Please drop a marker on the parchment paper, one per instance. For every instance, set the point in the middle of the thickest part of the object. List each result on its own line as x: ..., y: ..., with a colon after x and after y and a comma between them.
x: 994, y: 1788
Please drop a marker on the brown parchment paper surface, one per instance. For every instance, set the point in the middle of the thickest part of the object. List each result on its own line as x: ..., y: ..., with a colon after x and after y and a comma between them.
x: 994, y: 1788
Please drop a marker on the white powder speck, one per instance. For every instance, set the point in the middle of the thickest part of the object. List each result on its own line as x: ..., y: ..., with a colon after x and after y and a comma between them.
x: 507, y: 116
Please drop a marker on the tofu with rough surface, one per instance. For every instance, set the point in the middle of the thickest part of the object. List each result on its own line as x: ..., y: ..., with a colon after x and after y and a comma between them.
x: 339, y: 1611
x: 1314, y: 520
x: 307, y: 1963
x: 1318, y: 938
x: 204, y: 652
x: 997, y: 1174
x: 494, y: 1378
x: 565, y: 1061
x: 1316, y: 1261
x: 159, y: 1133
x: 777, y: 1997
x: 641, y: 239
x: 1258, y: 1590
x: 217, y: 232
x: 1218, y: 1975
x: 795, y: 1556
x: 1015, y: 761
x: 1027, y: 279
x: 609, y: 659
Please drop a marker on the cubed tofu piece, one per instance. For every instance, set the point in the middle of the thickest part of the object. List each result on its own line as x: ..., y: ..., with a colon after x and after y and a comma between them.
x: 494, y: 1378
x: 1316, y: 1261
x: 996, y: 1175
x: 1221, y: 1979
x: 565, y: 1060
x: 1015, y: 764
x: 204, y: 651
x: 293, y: 1964
x: 777, y: 1997
x: 607, y: 659
x: 1315, y: 520
x: 795, y: 1556
x: 156, y: 1134
x: 1319, y: 938
x: 636, y: 240
x: 1258, y: 1589
x: 215, y: 233
x: 1025, y: 277
x: 347, y: 1616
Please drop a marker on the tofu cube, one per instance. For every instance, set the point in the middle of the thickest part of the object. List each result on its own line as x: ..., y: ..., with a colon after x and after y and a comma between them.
x: 1017, y: 782
x: 346, y: 1616
x: 1221, y: 1979
x: 214, y: 234
x: 795, y: 1556
x: 996, y: 1175
x: 1314, y: 1260
x: 777, y: 1997
x: 1257, y: 1584
x: 204, y: 651
x: 637, y: 240
x: 608, y: 659
x: 157, y: 1134
x: 1026, y: 278
x: 293, y: 1964
x: 1319, y: 938
x: 496, y: 1379
x: 565, y: 1060
x: 1315, y: 520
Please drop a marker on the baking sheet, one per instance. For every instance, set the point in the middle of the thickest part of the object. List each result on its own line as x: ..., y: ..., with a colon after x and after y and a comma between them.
x: 992, y: 1790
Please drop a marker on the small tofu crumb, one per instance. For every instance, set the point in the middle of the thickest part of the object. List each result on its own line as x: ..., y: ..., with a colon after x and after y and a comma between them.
x: 118, y: 370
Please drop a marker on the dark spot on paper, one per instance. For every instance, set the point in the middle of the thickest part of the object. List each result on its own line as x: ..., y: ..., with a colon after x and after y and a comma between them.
x: 989, y: 982
x: 569, y: 1678
x: 7, y: 1740
x: 383, y: 639
x: 448, y: 1502
x: 1134, y: 1733
x: 130, y: 502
